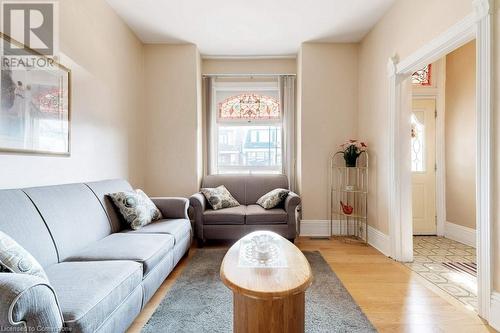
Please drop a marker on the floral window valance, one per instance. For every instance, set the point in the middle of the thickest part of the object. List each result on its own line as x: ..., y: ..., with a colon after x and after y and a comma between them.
x: 422, y: 77
x: 249, y: 107
x: 49, y: 100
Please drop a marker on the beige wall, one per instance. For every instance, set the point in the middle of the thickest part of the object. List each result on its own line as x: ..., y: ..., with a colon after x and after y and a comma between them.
x: 328, y: 104
x: 172, y: 100
x: 417, y: 22
x: 460, y: 131
x: 106, y: 62
x: 249, y: 66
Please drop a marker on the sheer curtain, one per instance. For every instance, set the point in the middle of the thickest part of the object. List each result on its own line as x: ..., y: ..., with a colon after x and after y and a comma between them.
x: 207, y: 112
x: 287, y: 95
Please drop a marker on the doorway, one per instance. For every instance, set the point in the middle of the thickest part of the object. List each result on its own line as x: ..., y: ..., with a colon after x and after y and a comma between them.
x: 445, y: 256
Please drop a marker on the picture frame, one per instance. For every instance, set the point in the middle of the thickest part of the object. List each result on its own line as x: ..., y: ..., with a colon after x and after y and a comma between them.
x: 35, y: 103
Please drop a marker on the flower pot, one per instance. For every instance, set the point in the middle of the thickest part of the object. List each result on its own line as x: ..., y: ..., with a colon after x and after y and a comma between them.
x: 350, y: 161
x: 351, y: 156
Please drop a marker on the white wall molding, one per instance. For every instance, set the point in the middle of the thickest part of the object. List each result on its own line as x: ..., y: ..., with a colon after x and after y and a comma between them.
x: 440, y: 148
x: 456, y: 36
x: 484, y: 68
x: 460, y: 234
x: 250, y: 57
x: 482, y: 8
x: 321, y: 228
x: 495, y: 311
x: 379, y: 240
x: 394, y: 208
x: 314, y: 228
x: 478, y: 24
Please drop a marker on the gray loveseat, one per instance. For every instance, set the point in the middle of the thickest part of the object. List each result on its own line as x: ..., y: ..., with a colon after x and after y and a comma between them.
x: 235, y: 222
x: 101, y: 275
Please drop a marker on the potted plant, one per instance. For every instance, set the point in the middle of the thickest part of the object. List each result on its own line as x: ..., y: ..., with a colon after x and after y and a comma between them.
x: 352, y: 149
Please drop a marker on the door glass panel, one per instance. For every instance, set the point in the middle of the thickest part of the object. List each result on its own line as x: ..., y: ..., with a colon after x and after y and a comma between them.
x: 417, y: 142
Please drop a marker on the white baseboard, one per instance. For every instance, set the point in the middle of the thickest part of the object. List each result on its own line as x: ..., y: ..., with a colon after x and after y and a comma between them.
x: 379, y: 240
x: 460, y: 234
x: 495, y: 311
x: 314, y: 228
x: 321, y: 228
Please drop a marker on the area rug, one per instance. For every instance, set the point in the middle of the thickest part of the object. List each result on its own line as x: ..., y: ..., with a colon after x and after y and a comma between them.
x: 199, y: 302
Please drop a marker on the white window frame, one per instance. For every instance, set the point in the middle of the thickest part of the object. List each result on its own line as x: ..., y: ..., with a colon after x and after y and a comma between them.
x: 241, y: 87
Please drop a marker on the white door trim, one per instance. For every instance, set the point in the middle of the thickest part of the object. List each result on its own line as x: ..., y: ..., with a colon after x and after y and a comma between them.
x: 440, y: 149
x: 476, y: 25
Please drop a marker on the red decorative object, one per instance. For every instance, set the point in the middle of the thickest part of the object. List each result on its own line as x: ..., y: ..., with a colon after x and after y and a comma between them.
x: 423, y: 77
x: 346, y: 208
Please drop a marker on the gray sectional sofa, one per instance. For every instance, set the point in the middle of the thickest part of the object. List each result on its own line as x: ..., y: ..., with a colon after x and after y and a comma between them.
x: 101, y: 274
x: 235, y: 222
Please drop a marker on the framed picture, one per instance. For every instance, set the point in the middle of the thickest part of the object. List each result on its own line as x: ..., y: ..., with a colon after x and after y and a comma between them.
x: 34, y: 104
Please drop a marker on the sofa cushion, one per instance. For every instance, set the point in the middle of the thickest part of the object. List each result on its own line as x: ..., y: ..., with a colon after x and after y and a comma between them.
x: 258, y: 215
x: 136, y: 208
x: 178, y: 228
x: 146, y: 249
x: 219, y: 197
x: 233, y: 215
x: 246, y: 189
x: 101, y: 190
x: 15, y: 259
x: 89, y: 292
x: 273, y: 198
x: 73, y: 214
x: 20, y: 220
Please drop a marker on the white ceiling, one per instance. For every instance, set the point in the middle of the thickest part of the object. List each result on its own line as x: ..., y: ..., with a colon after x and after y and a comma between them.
x: 250, y: 27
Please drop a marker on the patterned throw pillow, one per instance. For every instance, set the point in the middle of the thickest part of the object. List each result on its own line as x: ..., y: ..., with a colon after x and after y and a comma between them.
x: 219, y: 197
x: 136, y: 208
x: 273, y: 198
x: 15, y: 259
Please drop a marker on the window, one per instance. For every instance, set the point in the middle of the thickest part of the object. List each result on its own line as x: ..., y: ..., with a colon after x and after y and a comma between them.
x: 246, y: 128
x: 423, y: 76
x: 417, y: 142
x: 248, y: 107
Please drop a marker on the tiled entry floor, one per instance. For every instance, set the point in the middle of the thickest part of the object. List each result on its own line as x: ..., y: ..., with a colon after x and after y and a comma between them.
x: 449, y: 265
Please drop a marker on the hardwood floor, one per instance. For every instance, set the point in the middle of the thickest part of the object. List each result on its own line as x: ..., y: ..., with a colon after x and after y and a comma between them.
x: 394, y: 298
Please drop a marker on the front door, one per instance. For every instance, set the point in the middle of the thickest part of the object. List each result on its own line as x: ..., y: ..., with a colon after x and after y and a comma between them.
x: 423, y: 166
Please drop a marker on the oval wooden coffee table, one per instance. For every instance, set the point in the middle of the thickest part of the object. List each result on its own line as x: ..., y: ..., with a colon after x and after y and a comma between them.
x: 268, y: 299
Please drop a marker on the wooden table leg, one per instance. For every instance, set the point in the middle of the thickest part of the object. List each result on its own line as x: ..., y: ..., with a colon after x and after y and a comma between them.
x: 280, y: 315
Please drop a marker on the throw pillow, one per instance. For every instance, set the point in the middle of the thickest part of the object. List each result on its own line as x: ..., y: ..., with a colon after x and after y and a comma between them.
x: 273, y: 198
x: 219, y: 197
x: 15, y: 259
x: 136, y: 208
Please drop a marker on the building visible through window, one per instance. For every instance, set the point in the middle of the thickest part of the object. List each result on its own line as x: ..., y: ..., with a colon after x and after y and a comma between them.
x: 247, y: 128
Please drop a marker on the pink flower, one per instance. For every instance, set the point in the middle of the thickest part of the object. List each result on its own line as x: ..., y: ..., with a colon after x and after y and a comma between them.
x: 360, y: 146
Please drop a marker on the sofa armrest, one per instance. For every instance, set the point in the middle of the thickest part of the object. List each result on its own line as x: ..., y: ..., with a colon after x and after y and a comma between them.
x: 172, y: 207
x: 28, y: 302
x: 291, y: 202
x: 198, y: 202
